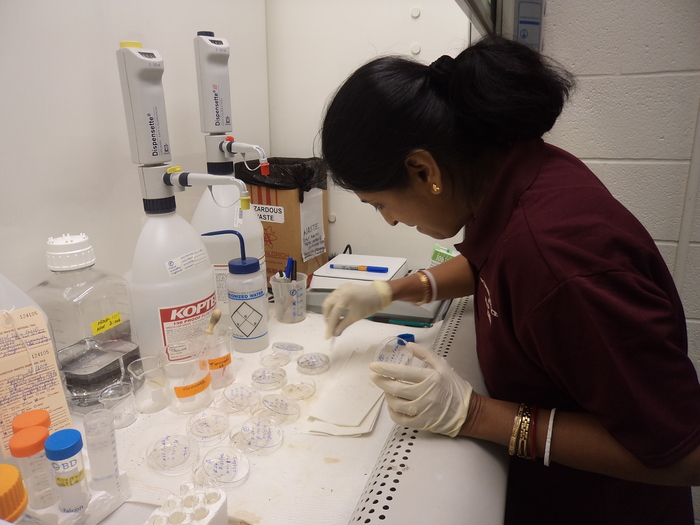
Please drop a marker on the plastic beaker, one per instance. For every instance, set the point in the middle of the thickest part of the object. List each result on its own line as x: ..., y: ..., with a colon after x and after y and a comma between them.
x: 150, y: 384
x: 290, y: 298
x: 119, y: 398
x: 220, y: 362
x: 190, y: 383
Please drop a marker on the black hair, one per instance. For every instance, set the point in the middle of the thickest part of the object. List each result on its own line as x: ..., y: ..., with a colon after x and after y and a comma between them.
x: 491, y: 95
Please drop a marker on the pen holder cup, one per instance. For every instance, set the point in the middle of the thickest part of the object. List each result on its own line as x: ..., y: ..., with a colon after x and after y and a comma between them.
x: 290, y: 298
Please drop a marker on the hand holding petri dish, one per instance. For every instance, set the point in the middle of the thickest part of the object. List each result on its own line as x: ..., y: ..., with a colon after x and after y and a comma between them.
x: 394, y: 350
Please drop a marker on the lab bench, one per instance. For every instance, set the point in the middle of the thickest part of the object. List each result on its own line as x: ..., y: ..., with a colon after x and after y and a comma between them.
x: 392, y: 475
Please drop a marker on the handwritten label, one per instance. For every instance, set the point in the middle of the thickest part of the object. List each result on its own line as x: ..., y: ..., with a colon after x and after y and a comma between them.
x: 28, y: 383
x: 218, y: 363
x: 106, y: 323
x: 194, y: 388
x: 313, y: 236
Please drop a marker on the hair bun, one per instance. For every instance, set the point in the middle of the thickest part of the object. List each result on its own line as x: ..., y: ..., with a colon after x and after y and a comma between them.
x: 441, y: 71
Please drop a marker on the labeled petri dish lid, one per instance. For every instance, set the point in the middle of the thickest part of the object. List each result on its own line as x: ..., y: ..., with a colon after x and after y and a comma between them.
x: 260, y: 435
x: 300, y: 390
x: 238, y: 397
x: 208, y: 425
x: 275, y: 357
x: 269, y: 378
x: 173, y: 454
x: 294, y: 350
x: 223, y: 467
x: 393, y: 350
x: 281, y: 410
x: 313, y: 363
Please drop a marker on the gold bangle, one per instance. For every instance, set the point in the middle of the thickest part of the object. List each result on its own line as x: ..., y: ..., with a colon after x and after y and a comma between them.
x: 427, y: 289
x: 516, y: 429
x: 523, y: 449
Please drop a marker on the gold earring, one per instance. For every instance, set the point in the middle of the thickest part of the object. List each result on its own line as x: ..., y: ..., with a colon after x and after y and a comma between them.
x: 436, y: 188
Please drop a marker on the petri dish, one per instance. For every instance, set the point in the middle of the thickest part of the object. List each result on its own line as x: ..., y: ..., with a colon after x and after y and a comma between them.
x: 208, y: 426
x: 300, y: 390
x: 274, y: 357
x: 269, y: 378
x: 223, y: 467
x: 393, y: 350
x: 279, y: 409
x: 173, y: 454
x: 294, y: 350
x: 313, y: 363
x: 259, y: 436
x: 238, y: 397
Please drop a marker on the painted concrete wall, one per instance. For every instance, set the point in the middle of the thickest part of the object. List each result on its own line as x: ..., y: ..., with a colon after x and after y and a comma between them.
x: 634, y: 120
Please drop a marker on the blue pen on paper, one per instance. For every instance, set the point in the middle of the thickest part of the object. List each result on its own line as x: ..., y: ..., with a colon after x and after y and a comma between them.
x: 360, y: 268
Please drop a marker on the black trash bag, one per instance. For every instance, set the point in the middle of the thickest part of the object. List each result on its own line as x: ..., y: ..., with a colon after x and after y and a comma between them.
x: 286, y: 174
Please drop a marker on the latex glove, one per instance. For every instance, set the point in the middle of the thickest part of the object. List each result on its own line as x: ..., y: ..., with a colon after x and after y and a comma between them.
x: 351, y: 302
x: 434, y: 398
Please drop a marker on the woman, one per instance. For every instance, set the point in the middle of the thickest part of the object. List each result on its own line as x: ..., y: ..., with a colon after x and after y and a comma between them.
x: 580, y: 331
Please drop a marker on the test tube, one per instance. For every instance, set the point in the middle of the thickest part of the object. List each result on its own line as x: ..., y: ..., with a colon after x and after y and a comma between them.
x: 64, y: 449
x: 27, y: 446
x: 101, y: 444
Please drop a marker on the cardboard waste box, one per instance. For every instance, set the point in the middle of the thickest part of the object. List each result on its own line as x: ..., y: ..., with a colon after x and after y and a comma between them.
x: 292, y: 204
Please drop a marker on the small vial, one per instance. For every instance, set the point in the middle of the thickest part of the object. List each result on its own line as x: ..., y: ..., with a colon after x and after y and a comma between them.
x: 64, y: 449
x: 27, y: 446
x: 101, y: 446
x: 31, y: 418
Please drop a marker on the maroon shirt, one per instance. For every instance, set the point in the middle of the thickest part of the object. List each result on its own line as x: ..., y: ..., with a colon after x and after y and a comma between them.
x: 576, y: 309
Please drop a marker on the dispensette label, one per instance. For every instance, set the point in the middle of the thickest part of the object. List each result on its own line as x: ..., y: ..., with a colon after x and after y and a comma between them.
x: 184, y: 323
x: 186, y: 262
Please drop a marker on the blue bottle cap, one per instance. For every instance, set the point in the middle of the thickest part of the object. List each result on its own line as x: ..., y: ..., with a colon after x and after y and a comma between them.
x: 63, y: 444
x: 409, y: 338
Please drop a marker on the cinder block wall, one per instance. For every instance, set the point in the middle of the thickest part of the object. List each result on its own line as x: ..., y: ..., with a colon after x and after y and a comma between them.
x: 634, y: 120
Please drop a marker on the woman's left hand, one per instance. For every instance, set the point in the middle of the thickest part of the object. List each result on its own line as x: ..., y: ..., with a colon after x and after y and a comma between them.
x: 434, y: 398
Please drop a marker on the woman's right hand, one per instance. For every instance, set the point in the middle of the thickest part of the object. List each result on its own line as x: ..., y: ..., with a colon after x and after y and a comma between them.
x: 351, y: 302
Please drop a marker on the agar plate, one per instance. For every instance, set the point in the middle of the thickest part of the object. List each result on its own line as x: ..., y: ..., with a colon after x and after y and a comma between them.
x: 238, y: 397
x: 274, y: 357
x: 223, y: 467
x: 300, y: 390
x: 208, y: 425
x: 259, y: 436
x: 269, y: 378
x: 393, y: 350
x: 173, y: 454
x: 313, y: 363
x: 278, y: 409
x: 294, y: 350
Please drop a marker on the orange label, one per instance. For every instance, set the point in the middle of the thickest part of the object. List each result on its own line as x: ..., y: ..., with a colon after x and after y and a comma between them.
x: 220, y: 362
x: 194, y: 388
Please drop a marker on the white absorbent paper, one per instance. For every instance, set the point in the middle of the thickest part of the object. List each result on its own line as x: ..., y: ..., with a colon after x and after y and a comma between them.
x: 352, y: 397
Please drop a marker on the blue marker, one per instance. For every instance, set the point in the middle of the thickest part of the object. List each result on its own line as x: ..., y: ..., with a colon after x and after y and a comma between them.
x: 360, y: 268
